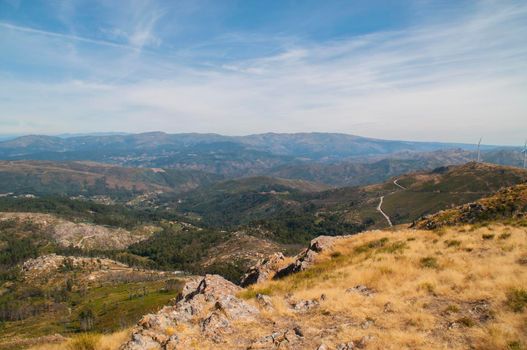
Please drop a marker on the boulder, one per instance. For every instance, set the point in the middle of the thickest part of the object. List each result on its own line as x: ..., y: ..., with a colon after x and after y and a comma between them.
x: 207, y: 304
x: 307, y: 257
x: 264, y: 269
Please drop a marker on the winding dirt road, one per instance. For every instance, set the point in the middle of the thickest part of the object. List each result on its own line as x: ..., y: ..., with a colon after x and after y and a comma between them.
x: 379, y: 209
x: 397, y: 184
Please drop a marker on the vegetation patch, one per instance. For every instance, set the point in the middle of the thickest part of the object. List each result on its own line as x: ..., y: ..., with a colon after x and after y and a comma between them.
x: 452, y: 243
x: 517, y: 299
x: 466, y: 321
x: 86, y: 341
x: 371, y: 245
x: 429, y: 262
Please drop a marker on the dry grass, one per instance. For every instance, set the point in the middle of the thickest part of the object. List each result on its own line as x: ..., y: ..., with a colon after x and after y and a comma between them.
x: 89, y: 342
x: 451, y: 288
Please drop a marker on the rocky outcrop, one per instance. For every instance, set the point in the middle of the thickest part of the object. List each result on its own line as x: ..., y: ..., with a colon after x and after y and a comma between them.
x: 206, y: 307
x: 307, y: 257
x: 264, y: 270
x: 53, y: 262
x: 272, y: 266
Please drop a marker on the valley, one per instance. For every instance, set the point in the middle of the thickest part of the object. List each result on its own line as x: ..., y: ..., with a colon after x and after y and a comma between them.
x: 123, y: 238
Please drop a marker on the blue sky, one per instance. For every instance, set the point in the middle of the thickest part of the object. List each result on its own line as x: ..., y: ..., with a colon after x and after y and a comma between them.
x: 416, y: 70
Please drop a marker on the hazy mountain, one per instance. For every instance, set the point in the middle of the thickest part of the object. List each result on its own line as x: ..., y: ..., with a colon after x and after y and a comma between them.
x: 317, y: 146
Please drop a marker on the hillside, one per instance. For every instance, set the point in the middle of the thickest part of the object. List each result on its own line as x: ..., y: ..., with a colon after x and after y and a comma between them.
x: 428, y: 192
x: 455, y: 288
x: 506, y: 204
x: 80, y: 235
x: 294, y: 215
x: 88, y: 178
x: 56, y: 296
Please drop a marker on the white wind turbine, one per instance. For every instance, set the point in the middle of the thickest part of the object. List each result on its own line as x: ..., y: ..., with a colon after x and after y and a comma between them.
x: 525, y: 155
x: 479, y: 153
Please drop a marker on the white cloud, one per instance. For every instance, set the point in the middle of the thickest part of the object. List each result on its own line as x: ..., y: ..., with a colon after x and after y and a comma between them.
x: 456, y: 81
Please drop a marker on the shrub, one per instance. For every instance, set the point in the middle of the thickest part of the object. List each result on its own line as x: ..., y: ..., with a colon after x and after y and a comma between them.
x: 515, y: 345
x: 395, y: 247
x: 84, y: 341
x: 452, y: 243
x: 452, y: 308
x: 371, y: 245
x: 429, y: 287
x: 487, y: 236
x: 504, y: 235
x: 429, y: 262
x: 517, y: 299
x: 466, y: 321
x: 335, y: 255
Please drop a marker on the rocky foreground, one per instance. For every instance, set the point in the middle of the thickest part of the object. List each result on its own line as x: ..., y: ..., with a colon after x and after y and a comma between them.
x: 208, y: 307
x: 457, y: 288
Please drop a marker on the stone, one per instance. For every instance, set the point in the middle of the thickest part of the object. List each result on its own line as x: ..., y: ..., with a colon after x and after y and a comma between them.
x: 305, y: 305
x: 208, y: 303
x: 264, y: 301
x: 263, y: 270
x: 346, y: 346
x: 307, y: 257
x: 361, y: 289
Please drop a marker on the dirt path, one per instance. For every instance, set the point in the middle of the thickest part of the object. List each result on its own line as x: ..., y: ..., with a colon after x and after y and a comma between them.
x: 397, y: 184
x: 379, y: 209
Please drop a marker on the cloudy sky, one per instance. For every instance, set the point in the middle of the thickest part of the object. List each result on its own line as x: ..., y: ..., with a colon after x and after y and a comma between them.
x: 416, y: 70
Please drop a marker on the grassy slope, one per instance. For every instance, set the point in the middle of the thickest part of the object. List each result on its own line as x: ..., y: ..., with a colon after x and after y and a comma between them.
x: 441, y: 286
x: 433, y: 191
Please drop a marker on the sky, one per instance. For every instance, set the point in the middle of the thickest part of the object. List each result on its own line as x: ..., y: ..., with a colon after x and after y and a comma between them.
x: 423, y: 70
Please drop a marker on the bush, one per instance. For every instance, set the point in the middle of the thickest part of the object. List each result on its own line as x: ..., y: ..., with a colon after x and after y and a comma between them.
x: 517, y: 299
x: 466, y: 321
x: 84, y: 341
x: 487, y: 236
x: 429, y: 262
x: 452, y: 243
x: 505, y: 235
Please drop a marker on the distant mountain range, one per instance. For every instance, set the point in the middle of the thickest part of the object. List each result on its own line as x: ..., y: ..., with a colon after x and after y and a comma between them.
x: 333, y: 159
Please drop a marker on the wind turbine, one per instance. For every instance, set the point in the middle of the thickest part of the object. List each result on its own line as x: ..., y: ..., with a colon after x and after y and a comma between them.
x: 479, y: 153
x: 525, y: 155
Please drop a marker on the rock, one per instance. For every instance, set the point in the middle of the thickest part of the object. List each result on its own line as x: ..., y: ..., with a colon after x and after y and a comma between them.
x: 346, y: 346
x: 305, y: 305
x: 263, y: 270
x: 264, y: 301
x: 361, y: 289
x: 363, y: 342
x: 206, y: 304
x: 307, y: 258
x: 367, y: 323
x: 388, y: 307
x: 323, y: 347
x: 277, y: 339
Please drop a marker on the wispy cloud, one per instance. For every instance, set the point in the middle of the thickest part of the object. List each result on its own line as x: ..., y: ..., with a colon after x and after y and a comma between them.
x: 67, y: 37
x: 454, y: 80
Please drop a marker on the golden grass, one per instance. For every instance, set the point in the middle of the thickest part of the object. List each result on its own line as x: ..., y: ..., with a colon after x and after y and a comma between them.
x: 431, y: 281
x: 89, y: 341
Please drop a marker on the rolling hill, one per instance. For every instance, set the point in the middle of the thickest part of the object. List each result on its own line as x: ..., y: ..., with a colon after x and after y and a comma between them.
x: 445, y: 187
x: 88, y: 178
